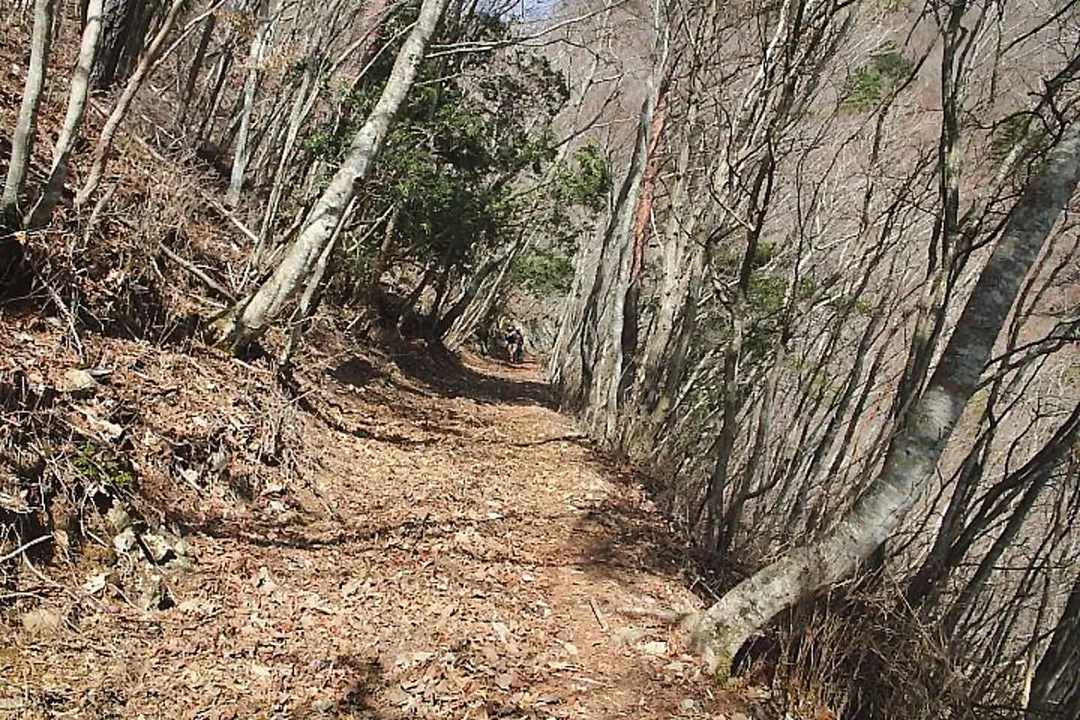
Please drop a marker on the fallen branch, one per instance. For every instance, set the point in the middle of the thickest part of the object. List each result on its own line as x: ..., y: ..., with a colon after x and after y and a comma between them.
x: 20, y: 550
x: 69, y: 316
x: 597, y: 615
x: 191, y: 268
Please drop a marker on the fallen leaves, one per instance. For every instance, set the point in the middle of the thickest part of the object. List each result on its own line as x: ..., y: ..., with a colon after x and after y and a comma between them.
x: 449, y: 570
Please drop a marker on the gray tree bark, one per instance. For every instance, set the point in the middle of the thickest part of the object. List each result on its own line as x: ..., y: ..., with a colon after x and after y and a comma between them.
x: 242, y: 149
x: 1055, y: 691
x: 196, y: 67
x: 80, y: 88
x: 112, y: 124
x: 915, y: 451
x: 248, y: 319
x: 22, y: 141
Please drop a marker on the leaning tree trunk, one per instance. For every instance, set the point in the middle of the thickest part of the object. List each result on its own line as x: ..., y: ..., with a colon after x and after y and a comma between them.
x: 112, y: 124
x: 450, y: 318
x: 69, y: 134
x: 602, y: 354
x: 915, y: 451
x: 188, y: 92
x: 1055, y: 691
x: 22, y: 141
x: 247, y: 319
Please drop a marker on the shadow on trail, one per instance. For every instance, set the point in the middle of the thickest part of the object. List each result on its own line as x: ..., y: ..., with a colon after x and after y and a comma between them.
x: 296, y: 535
x: 350, y: 684
x: 620, y: 535
x: 445, y: 374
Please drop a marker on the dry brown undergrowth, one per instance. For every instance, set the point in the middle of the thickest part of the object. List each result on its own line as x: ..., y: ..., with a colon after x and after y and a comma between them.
x: 424, y: 540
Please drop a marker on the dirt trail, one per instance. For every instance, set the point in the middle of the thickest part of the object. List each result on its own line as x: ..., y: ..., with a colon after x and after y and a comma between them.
x: 464, y: 556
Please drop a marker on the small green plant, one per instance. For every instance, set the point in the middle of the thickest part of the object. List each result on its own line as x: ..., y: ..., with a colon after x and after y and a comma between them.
x: 588, y: 182
x: 97, y: 465
x: 1016, y: 132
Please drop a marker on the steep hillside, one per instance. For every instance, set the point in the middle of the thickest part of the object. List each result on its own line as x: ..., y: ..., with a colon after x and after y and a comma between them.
x: 373, y: 529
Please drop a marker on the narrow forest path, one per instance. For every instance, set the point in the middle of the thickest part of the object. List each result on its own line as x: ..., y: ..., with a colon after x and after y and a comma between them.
x: 469, y: 560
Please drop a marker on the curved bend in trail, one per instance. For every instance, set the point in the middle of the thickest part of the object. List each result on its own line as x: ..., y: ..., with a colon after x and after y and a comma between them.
x: 464, y: 555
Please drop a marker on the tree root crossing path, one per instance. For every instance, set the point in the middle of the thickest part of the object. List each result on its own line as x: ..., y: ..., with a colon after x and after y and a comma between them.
x: 450, y: 547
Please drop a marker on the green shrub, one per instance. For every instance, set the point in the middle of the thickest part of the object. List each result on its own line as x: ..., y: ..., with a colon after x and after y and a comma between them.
x: 866, y: 86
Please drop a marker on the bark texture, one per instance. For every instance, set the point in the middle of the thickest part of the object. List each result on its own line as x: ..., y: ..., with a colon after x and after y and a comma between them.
x: 242, y: 149
x: 123, y: 28
x: 248, y: 319
x: 22, y: 141
x: 1055, y: 691
x: 69, y: 134
x: 112, y: 124
x: 914, y: 453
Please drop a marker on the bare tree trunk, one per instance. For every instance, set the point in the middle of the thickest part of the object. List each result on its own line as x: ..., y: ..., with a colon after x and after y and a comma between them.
x: 476, y: 282
x: 676, y: 246
x: 123, y: 28
x: 378, y: 266
x: 470, y: 318
x: 917, y: 447
x: 22, y: 141
x: 196, y: 67
x: 277, y: 190
x: 242, y: 151
x: 112, y: 124
x: 642, y: 218
x: 603, y: 357
x: 1055, y: 691
x: 80, y: 87
x: 217, y: 92
x: 248, y: 319
x: 309, y: 300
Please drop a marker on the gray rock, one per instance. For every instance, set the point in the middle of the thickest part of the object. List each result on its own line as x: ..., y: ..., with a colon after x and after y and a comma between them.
x: 180, y: 564
x: 78, y: 382
x: 628, y: 635
x: 118, y: 517
x: 157, y: 547
x: 42, y: 621
x: 124, y: 541
x: 153, y: 594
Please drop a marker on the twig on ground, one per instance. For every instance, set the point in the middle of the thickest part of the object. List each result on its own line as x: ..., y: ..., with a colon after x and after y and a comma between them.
x: 69, y: 316
x: 23, y: 548
x: 191, y: 268
x: 597, y: 615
